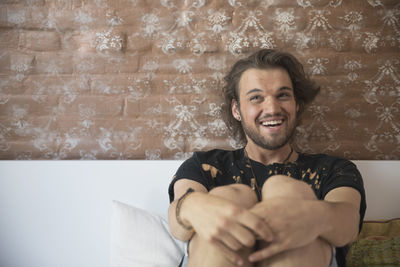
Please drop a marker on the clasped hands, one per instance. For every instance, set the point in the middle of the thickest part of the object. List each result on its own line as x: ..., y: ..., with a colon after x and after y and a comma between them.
x: 284, y: 223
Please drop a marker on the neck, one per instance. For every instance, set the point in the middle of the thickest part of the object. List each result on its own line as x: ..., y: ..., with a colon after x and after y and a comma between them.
x: 266, y: 156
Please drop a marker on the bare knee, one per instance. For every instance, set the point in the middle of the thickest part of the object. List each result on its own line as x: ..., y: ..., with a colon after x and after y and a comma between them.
x: 317, y: 253
x: 285, y: 186
x: 239, y: 194
x: 242, y: 196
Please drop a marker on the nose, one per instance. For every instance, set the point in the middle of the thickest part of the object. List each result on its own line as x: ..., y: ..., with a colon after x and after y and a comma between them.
x: 271, y: 106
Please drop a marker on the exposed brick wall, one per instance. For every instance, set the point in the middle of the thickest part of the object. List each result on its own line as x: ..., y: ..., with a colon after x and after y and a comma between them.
x: 135, y: 79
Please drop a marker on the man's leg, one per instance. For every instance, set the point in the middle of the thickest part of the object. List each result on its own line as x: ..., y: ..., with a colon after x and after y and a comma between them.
x: 201, y: 252
x: 319, y: 252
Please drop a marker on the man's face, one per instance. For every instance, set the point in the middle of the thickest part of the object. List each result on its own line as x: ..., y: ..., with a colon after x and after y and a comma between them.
x: 267, y: 108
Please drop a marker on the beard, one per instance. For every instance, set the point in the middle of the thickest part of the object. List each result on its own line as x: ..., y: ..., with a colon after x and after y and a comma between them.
x: 273, y: 142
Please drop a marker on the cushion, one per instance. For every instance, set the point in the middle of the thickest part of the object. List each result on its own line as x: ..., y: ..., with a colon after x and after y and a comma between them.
x: 140, y: 238
x: 378, y: 245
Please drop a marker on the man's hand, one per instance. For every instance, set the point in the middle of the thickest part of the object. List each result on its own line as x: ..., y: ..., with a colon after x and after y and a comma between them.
x: 294, y: 222
x: 224, y: 224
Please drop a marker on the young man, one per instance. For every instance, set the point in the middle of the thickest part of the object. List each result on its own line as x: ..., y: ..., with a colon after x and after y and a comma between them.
x: 266, y: 204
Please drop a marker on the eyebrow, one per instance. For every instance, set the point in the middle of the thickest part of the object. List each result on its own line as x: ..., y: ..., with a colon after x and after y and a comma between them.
x: 253, y: 91
x: 283, y: 88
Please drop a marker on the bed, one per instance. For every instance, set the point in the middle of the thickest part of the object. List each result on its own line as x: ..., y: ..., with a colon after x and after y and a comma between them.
x: 113, y: 213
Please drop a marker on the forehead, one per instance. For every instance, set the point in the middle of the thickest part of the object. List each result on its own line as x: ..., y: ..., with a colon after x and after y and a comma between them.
x: 271, y: 78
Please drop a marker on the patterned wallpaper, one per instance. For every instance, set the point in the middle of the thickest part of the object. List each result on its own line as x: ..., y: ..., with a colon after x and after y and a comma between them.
x: 137, y: 79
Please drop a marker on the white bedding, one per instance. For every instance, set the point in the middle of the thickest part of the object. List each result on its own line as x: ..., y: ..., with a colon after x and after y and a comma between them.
x: 58, y: 213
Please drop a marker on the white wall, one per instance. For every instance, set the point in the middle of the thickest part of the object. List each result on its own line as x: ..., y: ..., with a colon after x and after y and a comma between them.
x: 57, y: 213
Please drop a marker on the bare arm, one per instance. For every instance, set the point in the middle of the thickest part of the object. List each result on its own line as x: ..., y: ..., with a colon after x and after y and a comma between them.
x: 299, y: 222
x: 211, y: 216
x: 180, y: 188
x: 219, y: 221
x: 342, y: 216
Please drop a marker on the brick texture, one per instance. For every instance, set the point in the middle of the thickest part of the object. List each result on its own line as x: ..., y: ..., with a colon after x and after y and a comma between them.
x: 135, y: 79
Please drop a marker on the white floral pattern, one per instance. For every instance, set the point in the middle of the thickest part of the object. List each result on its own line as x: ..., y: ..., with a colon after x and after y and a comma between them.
x: 143, y: 79
x: 249, y: 34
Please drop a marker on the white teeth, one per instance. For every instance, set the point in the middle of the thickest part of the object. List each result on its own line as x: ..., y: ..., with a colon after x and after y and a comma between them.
x: 272, y: 123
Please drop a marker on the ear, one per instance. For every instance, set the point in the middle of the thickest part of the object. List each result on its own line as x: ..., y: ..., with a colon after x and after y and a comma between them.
x: 235, y: 110
x: 297, y: 108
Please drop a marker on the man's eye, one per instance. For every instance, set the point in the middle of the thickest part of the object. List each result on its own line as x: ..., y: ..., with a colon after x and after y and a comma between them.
x: 255, y: 98
x: 284, y: 95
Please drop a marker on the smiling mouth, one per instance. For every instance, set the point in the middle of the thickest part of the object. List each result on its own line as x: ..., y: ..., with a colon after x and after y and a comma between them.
x: 272, y: 123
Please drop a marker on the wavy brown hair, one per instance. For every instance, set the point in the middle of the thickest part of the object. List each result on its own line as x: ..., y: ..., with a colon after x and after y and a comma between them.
x: 305, y: 89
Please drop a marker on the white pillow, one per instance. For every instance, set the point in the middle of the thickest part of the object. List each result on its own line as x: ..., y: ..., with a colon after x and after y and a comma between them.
x: 142, y: 239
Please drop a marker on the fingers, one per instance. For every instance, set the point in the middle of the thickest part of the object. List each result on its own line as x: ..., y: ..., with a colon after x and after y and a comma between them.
x: 269, y: 251
x: 243, y: 235
x: 229, y: 254
x: 230, y: 241
x: 257, y: 225
x: 244, y: 231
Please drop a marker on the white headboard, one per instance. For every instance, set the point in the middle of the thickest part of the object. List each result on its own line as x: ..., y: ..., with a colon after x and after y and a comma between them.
x: 57, y: 213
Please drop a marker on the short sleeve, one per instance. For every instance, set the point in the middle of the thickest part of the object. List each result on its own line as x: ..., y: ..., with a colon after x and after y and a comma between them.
x: 190, y: 169
x: 345, y: 173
